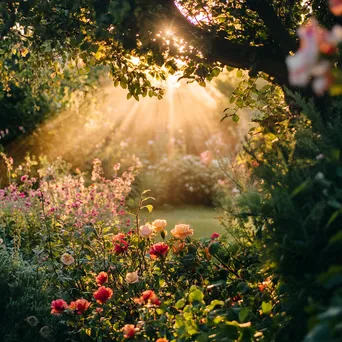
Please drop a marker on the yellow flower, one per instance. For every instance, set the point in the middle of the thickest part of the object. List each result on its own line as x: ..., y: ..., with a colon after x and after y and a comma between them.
x: 159, y: 225
x: 67, y: 259
x: 146, y: 230
x: 182, y: 231
x: 132, y: 277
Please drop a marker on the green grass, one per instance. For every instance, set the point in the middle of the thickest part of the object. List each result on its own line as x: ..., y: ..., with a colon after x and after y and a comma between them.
x: 202, y: 219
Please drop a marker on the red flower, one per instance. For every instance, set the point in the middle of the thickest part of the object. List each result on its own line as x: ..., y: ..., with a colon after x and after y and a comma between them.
x: 80, y: 305
x: 214, y: 236
x: 102, y: 278
x: 103, y: 294
x: 129, y: 331
x: 159, y: 249
x: 120, y: 244
x: 148, y: 297
x: 58, y: 306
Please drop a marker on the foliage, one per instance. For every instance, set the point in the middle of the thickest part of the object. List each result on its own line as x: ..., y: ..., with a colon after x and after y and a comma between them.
x: 143, y: 39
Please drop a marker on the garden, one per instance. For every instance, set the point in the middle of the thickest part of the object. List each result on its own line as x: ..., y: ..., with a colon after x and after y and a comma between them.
x: 170, y: 170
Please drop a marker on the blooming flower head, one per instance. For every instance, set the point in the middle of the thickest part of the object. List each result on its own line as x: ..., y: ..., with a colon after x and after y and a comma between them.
x: 24, y: 178
x: 129, y: 331
x: 132, y: 277
x: 118, y: 237
x: 67, y: 259
x: 178, y: 246
x: 159, y: 225
x: 101, y: 278
x: 182, y: 231
x: 58, y: 306
x: 214, y: 236
x: 103, y: 294
x: 162, y: 339
x: 119, y: 243
x: 335, y: 7
x: 146, y: 230
x: 159, y: 249
x: 206, y: 157
x: 148, y: 297
x: 80, y: 306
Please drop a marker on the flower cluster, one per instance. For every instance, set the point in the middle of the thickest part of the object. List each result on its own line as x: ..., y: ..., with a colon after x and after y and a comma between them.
x: 316, y: 43
x: 79, y: 306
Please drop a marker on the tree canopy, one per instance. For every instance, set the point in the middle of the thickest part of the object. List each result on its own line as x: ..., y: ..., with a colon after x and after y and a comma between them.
x: 139, y: 39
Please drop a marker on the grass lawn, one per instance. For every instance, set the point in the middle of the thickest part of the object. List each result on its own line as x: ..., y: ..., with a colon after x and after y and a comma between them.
x: 202, y: 219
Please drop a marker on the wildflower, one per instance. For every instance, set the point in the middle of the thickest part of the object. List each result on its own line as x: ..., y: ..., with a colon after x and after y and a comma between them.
x: 159, y: 249
x: 67, y: 259
x: 101, y: 278
x: 58, y: 306
x: 214, y: 236
x: 146, y: 230
x: 182, y: 231
x: 80, y: 306
x: 159, y: 225
x: 24, y: 178
x: 129, y: 331
x: 178, y: 246
x: 32, y: 321
x: 148, y: 297
x: 103, y: 294
x: 132, y: 277
x: 206, y: 157
x: 335, y: 7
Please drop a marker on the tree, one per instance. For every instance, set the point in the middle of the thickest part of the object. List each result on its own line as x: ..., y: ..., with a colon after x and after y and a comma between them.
x: 137, y: 38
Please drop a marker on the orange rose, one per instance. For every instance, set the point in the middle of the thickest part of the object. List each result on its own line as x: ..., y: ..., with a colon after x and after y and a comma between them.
x: 148, y: 297
x: 178, y: 246
x: 129, y: 331
x: 162, y: 339
x: 182, y: 231
x: 159, y: 225
x: 335, y: 7
x: 80, y: 306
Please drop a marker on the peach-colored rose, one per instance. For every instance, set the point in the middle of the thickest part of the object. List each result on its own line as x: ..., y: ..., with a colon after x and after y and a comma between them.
x: 67, y: 259
x: 129, y: 331
x: 132, y: 277
x: 146, y: 230
x: 182, y: 231
x: 159, y: 225
x: 178, y: 246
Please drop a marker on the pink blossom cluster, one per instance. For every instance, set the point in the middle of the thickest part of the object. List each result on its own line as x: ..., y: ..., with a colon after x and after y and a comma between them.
x: 311, y: 60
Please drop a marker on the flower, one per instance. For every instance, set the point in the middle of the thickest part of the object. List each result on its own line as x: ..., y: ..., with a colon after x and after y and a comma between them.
x: 102, y: 278
x: 162, y: 339
x: 148, y: 297
x: 335, y: 7
x: 58, y: 306
x: 206, y: 157
x: 214, y: 236
x: 129, y: 331
x: 24, y: 178
x: 178, y: 246
x: 146, y: 230
x: 80, y: 306
x: 103, y: 294
x: 182, y: 231
x: 159, y: 225
x: 132, y: 277
x: 159, y: 249
x: 120, y: 244
x: 67, y: 259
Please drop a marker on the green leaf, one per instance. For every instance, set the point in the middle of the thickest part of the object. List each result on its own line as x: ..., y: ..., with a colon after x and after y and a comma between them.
x: 149, y: 207
x: 243, y: 314
x: 266, y: 308
x: 235, y: 118
x: 180, y: 304
x: 214, y: 247
x: 196, y: 296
